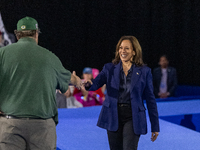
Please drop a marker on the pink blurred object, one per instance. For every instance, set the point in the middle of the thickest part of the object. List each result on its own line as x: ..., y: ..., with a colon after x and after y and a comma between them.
x: 92, y: 99
x: 95, y: 72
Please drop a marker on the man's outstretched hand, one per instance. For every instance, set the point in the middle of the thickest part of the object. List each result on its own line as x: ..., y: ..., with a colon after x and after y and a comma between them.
x: 75, y: 80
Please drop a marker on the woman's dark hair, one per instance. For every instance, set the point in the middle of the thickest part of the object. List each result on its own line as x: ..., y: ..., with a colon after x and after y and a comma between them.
x: 137, y: 59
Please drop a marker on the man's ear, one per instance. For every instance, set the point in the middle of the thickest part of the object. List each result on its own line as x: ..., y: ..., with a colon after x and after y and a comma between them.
x: 36, y: 37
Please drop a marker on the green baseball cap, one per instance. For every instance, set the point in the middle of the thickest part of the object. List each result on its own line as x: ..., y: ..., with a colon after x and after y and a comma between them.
x: 27, y: 23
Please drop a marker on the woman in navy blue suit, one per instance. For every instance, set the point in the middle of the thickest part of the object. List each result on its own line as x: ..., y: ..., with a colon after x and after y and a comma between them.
x: 128, y: 81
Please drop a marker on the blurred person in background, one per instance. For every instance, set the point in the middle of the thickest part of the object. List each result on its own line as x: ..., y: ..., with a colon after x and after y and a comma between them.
x: 71, y: 100
x: 61, y: 99
x: 87, y: 98
x: 164, y: 79
x: 67, y: 100
x: 4, y: 42
x: 29, y: 77
x: 127, y: 81
x: 5, y: 35
x: 101, y: 90
x: 95, y: 73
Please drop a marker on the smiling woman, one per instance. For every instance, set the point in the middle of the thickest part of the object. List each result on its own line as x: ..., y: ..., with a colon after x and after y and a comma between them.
x: 127, y: 81
x: 126, y: 51
x: 131, y: 43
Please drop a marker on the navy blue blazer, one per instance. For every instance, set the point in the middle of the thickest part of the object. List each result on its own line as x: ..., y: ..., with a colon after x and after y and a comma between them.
x: 141, y: 85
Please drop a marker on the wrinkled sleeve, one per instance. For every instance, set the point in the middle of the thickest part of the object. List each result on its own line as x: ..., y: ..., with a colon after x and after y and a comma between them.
x: 63, y: 77
x: 151, y: 103
x: 99, y: 81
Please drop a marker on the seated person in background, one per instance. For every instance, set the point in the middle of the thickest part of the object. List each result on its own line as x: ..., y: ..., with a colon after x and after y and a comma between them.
x: 70, y: 99
x: 60, y: 99
x: 164, y: 79
x: 87, y: 98
x: 67, y: 100
x: 101, y: 90
x: 3, y: 42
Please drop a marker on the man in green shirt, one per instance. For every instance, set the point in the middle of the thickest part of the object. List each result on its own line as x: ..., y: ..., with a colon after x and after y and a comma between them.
x: 29, y: 77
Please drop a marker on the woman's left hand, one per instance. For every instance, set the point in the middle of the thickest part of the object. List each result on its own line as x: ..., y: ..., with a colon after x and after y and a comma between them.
x: 154, y: 136
x: 87, y: 83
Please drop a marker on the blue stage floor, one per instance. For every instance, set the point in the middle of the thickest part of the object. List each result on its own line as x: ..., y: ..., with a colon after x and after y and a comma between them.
x: 77, y: 129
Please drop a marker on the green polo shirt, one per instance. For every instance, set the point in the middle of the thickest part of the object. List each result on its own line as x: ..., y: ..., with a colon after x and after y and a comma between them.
x: 29, y: 77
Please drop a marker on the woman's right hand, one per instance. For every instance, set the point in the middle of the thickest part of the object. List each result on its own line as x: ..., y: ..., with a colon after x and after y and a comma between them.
x: 87, y: 83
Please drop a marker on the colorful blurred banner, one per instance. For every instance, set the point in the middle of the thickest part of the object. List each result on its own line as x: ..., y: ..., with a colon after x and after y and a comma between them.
x: 3, y: 30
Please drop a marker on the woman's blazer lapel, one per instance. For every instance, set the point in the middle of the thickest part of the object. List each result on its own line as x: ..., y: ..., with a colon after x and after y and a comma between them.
x: 135, y: 76
x: 117, y: 74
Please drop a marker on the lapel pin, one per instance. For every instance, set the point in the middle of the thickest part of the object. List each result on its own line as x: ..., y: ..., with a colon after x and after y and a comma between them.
x: 137, y: 73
